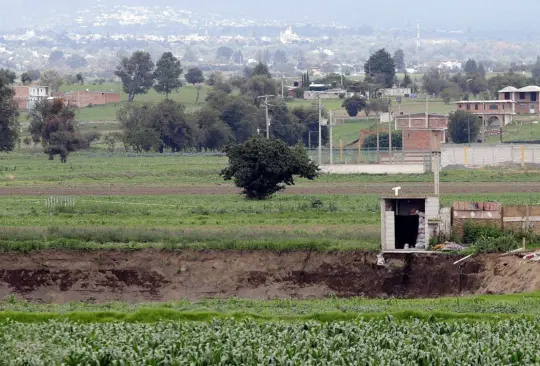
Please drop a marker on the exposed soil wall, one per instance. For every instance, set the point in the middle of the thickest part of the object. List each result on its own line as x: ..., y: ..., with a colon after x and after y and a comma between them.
x: 150, y: 275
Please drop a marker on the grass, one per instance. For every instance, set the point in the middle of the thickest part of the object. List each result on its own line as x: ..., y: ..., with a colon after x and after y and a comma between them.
x: 495, y: 307
x: 518, y: 132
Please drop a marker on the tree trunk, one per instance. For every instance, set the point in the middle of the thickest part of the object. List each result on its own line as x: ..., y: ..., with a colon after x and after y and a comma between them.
x: 198, y: 91
x: 131, y: 96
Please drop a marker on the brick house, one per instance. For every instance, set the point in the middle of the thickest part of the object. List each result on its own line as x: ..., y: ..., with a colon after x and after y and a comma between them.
x: 82, y: 99
x: 526, y: 99
x: 421, y: 132
x: 27, y: 96
x: 496, y: 113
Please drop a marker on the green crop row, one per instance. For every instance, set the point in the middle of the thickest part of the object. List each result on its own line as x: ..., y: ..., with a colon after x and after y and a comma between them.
x: 380, y: 341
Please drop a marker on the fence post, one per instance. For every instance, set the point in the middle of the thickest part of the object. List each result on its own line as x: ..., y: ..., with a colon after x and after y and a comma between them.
x: 341, y: 150
x: 359, y: 151
x: 523, y: 156
x: 466, y: 155
x: 512, y: 152
x: 493, y: 155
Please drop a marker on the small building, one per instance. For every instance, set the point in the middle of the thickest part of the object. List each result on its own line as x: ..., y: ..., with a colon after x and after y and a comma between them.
x: 493, y: 113
x: 421, y: 132
x: 27, y: 96
x: 526, y: 99
x: 401, y: 218
x: 82, y: 99
x: 326, y: 94
x: 394, y: 92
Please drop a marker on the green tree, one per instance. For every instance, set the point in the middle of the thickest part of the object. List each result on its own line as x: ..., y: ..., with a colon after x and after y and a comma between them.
x: 239, y: 114
x: 214, y: 134
x: 451, y: 93
x: 8, y: 76
x: 136, y: 74
x: 190, y: 56
x: 258, y: 86
x: 381, y: 68
x: 195, y: 77
x: 354, y: 104
x: 399, y: 59
x: 76, y: 62
x: 284, y: 125
x: 34, y: 75
x: 463, y: 126
x: 56, y: 56
x: 53, y: 124
x: 370, y: 142
x: 9, y: 117
x: 52, y: 79
x: 280, y: 57
x: 434, y: 81
x: 224, y: 54
x: 471, y: 67
x: 136, y: 123
x: 309, y: 117
x: 407, y: 81
x: 261, y: 70
x: 238, y: 57
x: 167, y: 74
x: 80, y: 78
x: 482, y: 71
x: 262, y: 167
x: 25, y: 78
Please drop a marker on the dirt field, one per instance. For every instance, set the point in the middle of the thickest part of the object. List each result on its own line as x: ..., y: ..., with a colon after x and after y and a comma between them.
x: 134, y: 276
x: 373, y: 188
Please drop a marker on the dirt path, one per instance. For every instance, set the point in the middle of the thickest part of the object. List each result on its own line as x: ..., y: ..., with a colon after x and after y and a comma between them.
x: 151, y: 275
x: 373, y: 188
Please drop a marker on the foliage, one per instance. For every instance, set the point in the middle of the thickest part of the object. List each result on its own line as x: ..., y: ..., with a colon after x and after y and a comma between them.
x: 284, y: 125
x: 167, y: 74
x: 259, y: 85
x: 238, y: 57
x: 262, y: 167
x: 76, y: 62
x: 80, y: 78
x: 56, y: 56
x: 399, y: 59
x: 53, y: 124
x: 381, y: 67
x: 451, y: 93
x: 472, y: 232
x: 354, y: 104
x: 136, y: 74
x: 370, y: 142
x: 9, y: 114
x: 52, y: 79
x: 261, y: 70
x: 499, y: 82
x: 463, y: 126
x: 112, y: 139
x: 536, y: 70
x: 382, y: 341
x: 435, y: 81
x: 25, y: 78
x: 214, y: 133
x: 7, y: 76
x: 157, y: 127
x: 471, y: 67
x: 238, y: 113
x: 280, y: 57
x: 377, y: 105
x: 309, y: 117
x: 195, y: 76
x: 305, y: 80
x: 224, y: 54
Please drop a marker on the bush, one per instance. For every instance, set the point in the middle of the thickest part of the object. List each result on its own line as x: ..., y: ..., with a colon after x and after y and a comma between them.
x: 472, y: 232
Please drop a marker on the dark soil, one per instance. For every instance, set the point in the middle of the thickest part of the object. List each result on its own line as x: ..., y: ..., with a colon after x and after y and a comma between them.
x: 150, y: 275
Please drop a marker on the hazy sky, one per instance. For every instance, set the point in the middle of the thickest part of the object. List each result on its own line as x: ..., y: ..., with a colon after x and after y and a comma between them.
x: 478, y: 14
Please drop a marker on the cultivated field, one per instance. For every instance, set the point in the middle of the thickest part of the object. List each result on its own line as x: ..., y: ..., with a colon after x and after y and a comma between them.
x: 146, y: 228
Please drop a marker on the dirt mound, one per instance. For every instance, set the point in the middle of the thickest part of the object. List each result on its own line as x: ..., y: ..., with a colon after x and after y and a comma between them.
x: 149, y: 275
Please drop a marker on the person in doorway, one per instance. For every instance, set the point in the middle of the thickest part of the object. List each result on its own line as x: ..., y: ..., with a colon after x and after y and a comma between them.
x: 421, y: 237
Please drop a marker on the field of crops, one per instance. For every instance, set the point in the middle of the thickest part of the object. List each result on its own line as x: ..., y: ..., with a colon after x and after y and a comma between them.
x: 385, y: 341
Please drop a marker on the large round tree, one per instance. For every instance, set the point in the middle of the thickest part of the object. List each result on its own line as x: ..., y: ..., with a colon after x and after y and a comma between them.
x: 463, y: 127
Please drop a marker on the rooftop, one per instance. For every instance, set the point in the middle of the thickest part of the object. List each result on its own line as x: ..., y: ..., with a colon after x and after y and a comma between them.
x: 483, y: 101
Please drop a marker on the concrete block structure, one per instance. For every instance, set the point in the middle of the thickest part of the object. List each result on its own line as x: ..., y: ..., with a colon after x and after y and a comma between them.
x: 526, y: 99
x: 422, y: 132
x: 492, y: 113
x: 27, y: 96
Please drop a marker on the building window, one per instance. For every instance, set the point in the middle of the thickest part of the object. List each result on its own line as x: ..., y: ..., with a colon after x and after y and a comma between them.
x: 460, y: 105
x: 408, y: 136
x: 523, y: 106
x: 493, y: 106
x: 507, y: 96
x: 521, y: 95
x: 476, y: 107
x: 533, y: 107
x: 468, y: 107
x: 533, y: 97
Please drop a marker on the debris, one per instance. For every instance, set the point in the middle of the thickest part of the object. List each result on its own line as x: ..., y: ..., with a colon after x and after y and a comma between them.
x: 535, y: 257
x: 463, y: 259
x: 380, y: 260
x: 449, y: 247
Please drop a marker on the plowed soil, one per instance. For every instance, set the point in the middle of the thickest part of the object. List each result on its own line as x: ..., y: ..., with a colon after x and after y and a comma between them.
x: 151, y: 275
x: 373, y: 188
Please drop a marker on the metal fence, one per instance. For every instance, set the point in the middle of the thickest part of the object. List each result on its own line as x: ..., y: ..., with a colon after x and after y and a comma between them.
x: 483, y: 155
x: 363, y: 156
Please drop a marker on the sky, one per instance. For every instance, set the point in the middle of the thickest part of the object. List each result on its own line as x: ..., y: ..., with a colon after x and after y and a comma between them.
x: 455, y: 14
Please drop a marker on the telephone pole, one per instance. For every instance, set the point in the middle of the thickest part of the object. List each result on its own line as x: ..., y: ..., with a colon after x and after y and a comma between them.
x: 320, y: 130
x: 267, y: 117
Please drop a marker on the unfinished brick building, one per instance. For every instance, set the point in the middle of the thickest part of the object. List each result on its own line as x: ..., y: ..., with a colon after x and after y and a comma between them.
x: 82, y: 99
x: 421, y: 132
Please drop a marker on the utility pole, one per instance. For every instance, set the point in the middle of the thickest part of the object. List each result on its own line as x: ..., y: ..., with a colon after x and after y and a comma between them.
x: 320, y: 130
x: 331, y: 125
x: 281, y: 86
x: 390, y: 120
x: 267, y: 117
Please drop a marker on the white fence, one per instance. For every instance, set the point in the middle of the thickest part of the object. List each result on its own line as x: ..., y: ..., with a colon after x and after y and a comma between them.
x: 481, y: 155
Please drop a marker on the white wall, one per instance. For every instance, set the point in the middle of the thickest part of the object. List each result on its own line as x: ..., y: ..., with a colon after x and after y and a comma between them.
x: 373, y: 169
x: 489, y: 155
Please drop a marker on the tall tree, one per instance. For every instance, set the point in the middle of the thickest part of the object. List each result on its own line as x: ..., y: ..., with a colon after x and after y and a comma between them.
x: 80, y: 78
x: 258, y: 86
x: 399, y: 59
x: 190, y: 56
x: 536, y: 70
x: 280, y: 57
x: 167, y: 74
x: 34, y: 74
x: 53, y: 123
x: 261, y: 70
x: 471, y: 67
x: 463, y: 126
x: 214, y: 134
x: 56, y: 56
x: 224, y: 54
x: 195, y: 77
x: 262, y: 167
x: 238, y: 57
x: 354, y: 104
x: 381, y: 68
x: 136, y: 74
x: 482, y: 71
x: 9, y: 117
x: 52, y: 79
x: 25, y: 78
x: 8, y: 76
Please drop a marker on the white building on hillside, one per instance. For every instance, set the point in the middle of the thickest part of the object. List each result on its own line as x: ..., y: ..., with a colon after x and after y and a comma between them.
x: 288, y: 36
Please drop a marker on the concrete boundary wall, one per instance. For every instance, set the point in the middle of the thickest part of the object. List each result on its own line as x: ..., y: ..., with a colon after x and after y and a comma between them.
x: 373, y: 169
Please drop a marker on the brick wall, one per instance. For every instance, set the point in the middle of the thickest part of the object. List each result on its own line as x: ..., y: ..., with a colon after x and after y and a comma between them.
x: 22, y: 94
x: 85, y: 98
